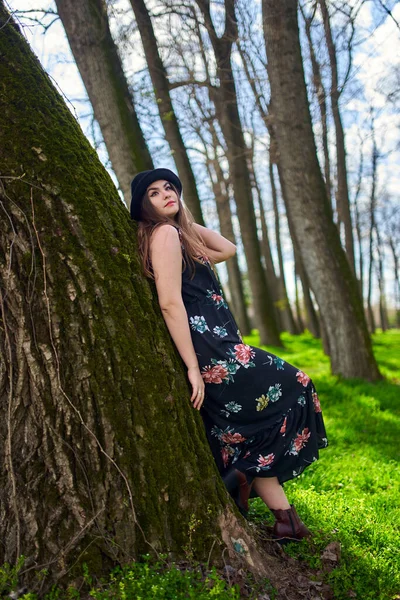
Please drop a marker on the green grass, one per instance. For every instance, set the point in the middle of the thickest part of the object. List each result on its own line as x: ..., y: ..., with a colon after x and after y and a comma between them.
x: 352, y: 494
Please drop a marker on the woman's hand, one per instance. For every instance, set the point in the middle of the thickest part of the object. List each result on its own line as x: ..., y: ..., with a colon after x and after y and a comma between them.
x: 197, y: 383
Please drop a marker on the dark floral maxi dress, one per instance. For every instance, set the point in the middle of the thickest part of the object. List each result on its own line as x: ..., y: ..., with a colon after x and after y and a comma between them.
x: 262, y: 415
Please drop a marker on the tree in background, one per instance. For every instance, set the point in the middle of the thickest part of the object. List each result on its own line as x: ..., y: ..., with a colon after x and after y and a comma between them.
x: 332, y: 280
x: 98, y: 61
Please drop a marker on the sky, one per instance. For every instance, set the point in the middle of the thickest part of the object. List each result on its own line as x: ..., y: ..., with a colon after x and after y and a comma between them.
x: 375, y: 61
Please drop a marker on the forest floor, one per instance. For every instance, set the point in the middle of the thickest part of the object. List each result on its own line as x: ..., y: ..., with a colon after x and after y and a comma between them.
x: 350, y: 496
x: 350, y: 499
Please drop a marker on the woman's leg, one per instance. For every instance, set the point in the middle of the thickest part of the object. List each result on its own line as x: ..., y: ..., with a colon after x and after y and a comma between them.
x: 271, y: 492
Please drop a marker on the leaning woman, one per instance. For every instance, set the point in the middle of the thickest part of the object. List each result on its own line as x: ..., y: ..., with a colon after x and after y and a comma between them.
x: 262, y: 415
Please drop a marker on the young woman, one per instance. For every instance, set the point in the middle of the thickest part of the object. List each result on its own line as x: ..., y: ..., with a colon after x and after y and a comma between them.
x: 262, y: 415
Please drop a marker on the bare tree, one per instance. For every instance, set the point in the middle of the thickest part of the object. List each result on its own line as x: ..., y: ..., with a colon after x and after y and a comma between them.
x: 87, y: 28
x: 333, y: 283
x: 342, y: 193
x: 169, y: 121
x: 225, y: 101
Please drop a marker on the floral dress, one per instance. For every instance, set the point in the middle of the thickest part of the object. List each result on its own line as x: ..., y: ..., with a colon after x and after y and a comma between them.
x: 262, y: 415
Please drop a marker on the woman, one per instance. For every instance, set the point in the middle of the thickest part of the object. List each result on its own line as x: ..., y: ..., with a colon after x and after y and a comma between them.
x: 262, y: 415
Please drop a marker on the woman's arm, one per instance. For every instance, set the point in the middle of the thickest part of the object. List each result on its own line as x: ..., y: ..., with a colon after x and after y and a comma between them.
x: 218, y: 247
x: 166, y: 259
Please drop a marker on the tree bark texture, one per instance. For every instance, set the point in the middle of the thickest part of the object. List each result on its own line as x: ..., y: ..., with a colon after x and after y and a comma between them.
x: 328, y: 270
x: 321, y: 97
x: 225, y: 100
x: 87, y: 28
x: 284, y: 304
x: 100, y: 460
x: 342, y: 193
x: 167, y: 114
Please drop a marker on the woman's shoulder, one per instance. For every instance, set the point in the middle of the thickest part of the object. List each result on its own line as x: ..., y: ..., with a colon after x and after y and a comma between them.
x: 165, y: 230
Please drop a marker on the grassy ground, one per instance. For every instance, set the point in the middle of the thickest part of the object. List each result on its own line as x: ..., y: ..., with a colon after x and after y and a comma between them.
x: 352, y: 494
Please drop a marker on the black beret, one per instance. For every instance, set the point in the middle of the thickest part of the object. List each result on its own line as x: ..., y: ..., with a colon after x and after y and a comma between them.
x: 141, y: 182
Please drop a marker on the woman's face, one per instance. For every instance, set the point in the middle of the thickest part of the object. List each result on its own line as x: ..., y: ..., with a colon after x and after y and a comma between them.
x: 163, y: 197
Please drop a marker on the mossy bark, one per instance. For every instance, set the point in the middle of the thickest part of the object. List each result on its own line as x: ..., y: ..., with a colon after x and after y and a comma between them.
x: 102, y: 457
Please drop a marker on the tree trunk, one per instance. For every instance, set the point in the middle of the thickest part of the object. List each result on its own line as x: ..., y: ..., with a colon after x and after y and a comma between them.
x: 372, y: 206
x: 342, y: 194
x: 167, y: 114
x: 226, y: 106
x: 327, y: 267
x: 284, y: 305
x: 88, y: 470
x: 381, y: 283
x: 232, y: 265
x: 87, y: 28
x: 358, y: 225
x: 396, y: 281
x: 321, y: 97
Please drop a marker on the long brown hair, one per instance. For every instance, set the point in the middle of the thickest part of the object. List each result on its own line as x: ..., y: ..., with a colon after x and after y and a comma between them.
x: 191, y: 240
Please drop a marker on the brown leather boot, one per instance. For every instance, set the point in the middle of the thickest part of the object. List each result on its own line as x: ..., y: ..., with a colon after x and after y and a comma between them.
x: 288, y: 525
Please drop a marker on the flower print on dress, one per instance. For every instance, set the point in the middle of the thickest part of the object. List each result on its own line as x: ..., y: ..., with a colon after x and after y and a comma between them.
x: 283, y: 428
x: 231, y: 407
x: 301, y: 400
x: 220, y: 331
x: 217, y: 299
x: 223, y: 370
x: 317, y: 404
x: 264, y: 462
x: 242, y: 353
x: 198, y: 323
x: 303, y: 378
x: 229, y: 438
x: 299, y: 442
x: 279, y: 362
x: 273, y: 394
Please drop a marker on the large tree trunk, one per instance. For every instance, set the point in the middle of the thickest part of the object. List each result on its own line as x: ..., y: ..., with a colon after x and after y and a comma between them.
x: 167, y: 114
x: 101, y: 460
x: 327, y: 267
x: 87, y: 28
x: 342, y: 194
x: 225, y: 100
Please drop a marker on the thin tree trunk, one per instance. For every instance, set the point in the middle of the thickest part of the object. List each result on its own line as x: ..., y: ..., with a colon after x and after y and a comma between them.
x: 285, y: 307
x: 273, y: 281
x: 87, y: 29
x: 333, y: 282
x: 396, y: 280
x: 321, y: 97
x: 372, y: 206
x: 342, y: 194
x: 381, y: 283
x: 167, y: 114
x: 358, y: 225
x: 88, y: 470
x: 297, y: 301
x: 226, y: 106
x: 225, y: 220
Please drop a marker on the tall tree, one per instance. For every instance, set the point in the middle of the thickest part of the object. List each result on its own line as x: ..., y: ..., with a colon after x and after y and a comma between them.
x: 87, y: 466
x: 320, y: 93
x: 169, y: 121
x: 342, y: 193
x: 88, y: 32
x: 225, y: 100
x: 333, y: 283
